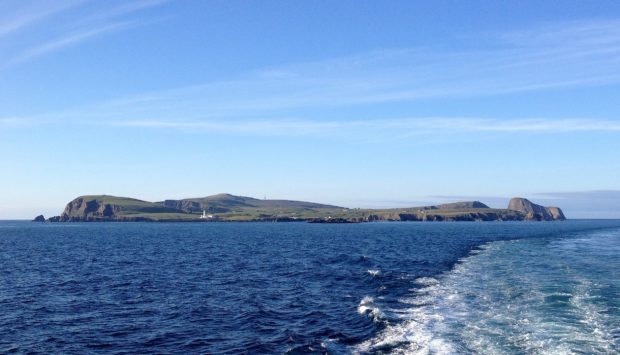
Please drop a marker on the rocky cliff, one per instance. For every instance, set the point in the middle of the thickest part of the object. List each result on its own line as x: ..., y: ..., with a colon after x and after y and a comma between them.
x: 218, y: 207
x: 461, y: 205
x: 535, y: 212
x: 109, y: 208
x: 225, y: 207
x: 82, y: 209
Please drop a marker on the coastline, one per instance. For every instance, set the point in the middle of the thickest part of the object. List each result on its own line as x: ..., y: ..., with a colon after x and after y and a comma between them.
x: 231, y: 208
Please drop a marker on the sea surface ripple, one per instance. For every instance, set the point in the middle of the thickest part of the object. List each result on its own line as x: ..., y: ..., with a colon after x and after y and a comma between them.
x: 234, y: 288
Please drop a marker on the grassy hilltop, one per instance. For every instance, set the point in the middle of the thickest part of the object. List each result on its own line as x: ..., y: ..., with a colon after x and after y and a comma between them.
x: 221, y: 207
x: 226, y: 207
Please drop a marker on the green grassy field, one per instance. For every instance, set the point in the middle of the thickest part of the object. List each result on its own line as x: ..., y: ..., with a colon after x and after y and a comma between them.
x: 225, y: 207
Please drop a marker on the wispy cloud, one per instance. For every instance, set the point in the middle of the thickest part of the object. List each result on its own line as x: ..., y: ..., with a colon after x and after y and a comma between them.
x: 346, y: 128
x: 523, y: 125
x: 56, y: 25
x: 127, y: 8
x: 391, y: 127
x: 584, y: 204
x: 589, y: 195
x: 21, y: 15
x: 66, y: 41
x: 10, y: 121
x: 573, y: 55
x: 291, y: 100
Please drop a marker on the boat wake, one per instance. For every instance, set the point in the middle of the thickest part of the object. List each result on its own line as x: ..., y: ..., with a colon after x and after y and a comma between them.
x: 531, y: 296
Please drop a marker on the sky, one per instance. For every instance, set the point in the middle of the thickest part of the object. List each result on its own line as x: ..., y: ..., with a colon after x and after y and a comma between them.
x: 354, y: 103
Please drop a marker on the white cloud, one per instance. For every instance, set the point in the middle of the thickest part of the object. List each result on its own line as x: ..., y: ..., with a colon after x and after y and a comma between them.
x: 394, y: 127
x: 66, y: 41
x: 288, y: 100
x: 27, y: 14
x: 56, y: 27
x: 12, y: 121
x: 584, y: 204
x: 587, y: 195
x: 574, y: 55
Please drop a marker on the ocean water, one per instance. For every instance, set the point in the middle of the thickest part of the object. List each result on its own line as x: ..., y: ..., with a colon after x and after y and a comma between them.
x: 379, y: 288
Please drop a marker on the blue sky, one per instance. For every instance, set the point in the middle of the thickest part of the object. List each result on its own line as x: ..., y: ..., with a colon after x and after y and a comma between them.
x: 356, y: 103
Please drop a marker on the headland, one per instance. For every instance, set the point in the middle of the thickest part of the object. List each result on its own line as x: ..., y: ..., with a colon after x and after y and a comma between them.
x: 231, y: 208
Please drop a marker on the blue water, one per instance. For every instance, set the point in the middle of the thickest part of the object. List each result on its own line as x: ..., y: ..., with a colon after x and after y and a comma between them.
x: 303, y: 288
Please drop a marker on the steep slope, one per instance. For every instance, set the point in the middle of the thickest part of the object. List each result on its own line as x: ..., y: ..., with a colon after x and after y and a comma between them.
x: 533, y: 211
x: 461, y: 205
x: 219, y: 207
x: 556, y: 213
x: 222, y: 203
x: 104, y: 207
x: 226, y: 207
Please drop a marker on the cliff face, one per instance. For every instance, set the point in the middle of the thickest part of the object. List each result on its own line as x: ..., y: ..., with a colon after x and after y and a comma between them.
x: 222, y: 203
x: 110, y: 208
x: 535, y: 212
x: 225, y: 207
x: 184, y: 205
x: 194, y: 206
x: 461, y: 205
x: 84, y: 209
x: 556, y: 213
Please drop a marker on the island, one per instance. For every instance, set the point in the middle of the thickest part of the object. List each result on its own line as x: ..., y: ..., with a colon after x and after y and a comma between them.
x: 230, y: 208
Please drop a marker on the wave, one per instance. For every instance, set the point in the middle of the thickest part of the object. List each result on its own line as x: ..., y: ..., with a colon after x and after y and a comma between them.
x: 525, y: 296
x: 426, y: 281
x: 374, y: 273
x: 367, y: 306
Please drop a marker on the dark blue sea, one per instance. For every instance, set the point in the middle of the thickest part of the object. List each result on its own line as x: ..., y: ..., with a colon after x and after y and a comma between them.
x: 264, y: 288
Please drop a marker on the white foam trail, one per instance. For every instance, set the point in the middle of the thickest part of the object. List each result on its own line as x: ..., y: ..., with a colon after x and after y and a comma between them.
x: 523, y: 296
x: 426, y: 281
x: 374, y: 273
x: 367, y: 306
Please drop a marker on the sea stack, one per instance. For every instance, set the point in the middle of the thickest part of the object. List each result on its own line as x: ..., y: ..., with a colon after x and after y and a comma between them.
x: 535, y: 212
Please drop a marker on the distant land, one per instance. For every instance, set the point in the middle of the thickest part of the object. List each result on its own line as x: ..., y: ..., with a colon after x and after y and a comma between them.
x: 228, y: 208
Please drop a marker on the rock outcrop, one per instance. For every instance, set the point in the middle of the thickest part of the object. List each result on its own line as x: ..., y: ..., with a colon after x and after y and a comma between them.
x: 535, y: 212
x: 110, y: 208
x: 190, y: 205
x: 225, y: 207
x: 461, y: 205
x: 183, y: 205
x: 39, y: 218
x: 556, y: 213
x: 84, y: 209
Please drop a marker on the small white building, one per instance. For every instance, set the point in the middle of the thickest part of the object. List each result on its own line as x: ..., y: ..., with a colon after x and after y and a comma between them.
x: 205, y: 215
